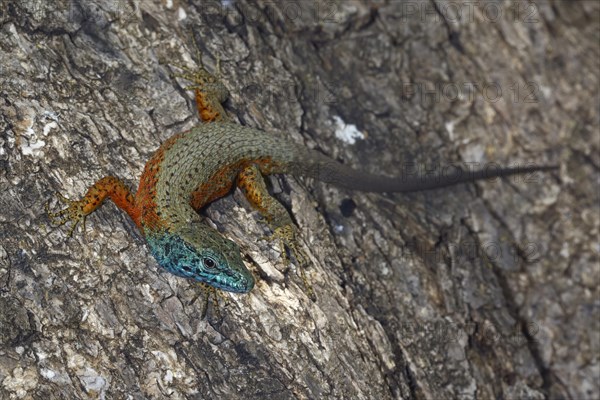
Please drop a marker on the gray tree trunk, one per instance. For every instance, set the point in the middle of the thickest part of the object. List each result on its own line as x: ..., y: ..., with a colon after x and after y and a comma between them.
x: 477, y: 291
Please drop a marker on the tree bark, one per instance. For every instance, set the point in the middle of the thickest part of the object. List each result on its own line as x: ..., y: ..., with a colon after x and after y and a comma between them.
x: 484, y: 291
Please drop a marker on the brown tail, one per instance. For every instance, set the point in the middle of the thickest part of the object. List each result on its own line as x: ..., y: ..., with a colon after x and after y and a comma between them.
x: 330, y: 171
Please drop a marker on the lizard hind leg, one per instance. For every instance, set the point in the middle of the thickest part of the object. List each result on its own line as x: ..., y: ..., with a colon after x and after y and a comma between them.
x: 252, y: 183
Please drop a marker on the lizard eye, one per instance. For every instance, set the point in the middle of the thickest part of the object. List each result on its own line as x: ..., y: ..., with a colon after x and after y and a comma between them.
x: 209, y: 262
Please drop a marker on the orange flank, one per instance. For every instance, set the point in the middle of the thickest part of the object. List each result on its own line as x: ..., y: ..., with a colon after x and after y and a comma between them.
x: 146, y: 194
x: 222, y: 181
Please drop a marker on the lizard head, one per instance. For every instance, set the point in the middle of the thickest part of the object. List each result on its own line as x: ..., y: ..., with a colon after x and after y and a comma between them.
x: 199, y: 252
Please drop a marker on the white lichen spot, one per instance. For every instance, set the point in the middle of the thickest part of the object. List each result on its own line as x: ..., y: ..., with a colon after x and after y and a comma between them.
x: 450, y: 128
x: 546, y: 91
x: 47, y: 373
x: 30, y: 143
x: 48, y: 127
x: 181, y: 14
x: 50, y: 115
x: 56, y: 376
x: 94, y: 383
x: 86, y: 314
x: 147, y: 293
x: 348, y: 133
x: 338, y: 228
x: 564, y: 251
x: 41, y: 355
x: 385, y: 271
x: 169, y: 4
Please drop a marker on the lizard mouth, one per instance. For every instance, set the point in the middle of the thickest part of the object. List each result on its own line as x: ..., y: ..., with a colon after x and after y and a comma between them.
x: 242, y: 283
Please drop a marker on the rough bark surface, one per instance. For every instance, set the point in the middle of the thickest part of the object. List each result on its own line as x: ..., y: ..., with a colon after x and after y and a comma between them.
x: 478, y: 291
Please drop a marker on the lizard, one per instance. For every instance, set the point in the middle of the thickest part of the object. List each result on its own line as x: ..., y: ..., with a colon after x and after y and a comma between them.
x: 193, y: 168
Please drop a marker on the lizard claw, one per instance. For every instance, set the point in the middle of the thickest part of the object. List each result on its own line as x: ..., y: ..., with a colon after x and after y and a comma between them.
x: 73, y: 212
x: 199, y: 76
x: 216, y: 295
x: 287, y: 237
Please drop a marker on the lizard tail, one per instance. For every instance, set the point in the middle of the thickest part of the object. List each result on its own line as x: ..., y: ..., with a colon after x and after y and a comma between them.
x: 329, y: 171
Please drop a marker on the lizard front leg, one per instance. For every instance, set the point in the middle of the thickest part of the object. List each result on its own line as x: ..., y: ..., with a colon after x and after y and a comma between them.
x: 209, y: 91
x: 252, y: 183
x: 78, y: 210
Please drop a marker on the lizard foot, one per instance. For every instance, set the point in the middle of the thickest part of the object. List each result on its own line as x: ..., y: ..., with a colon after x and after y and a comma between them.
x: 209, y: 91
x: 287, y: 237
x: 199, y: 76
x: 74, y: 212
x: 209, y: 293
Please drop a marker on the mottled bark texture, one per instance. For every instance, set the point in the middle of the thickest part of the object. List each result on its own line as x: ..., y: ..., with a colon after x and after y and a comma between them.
x: 478, y: 291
